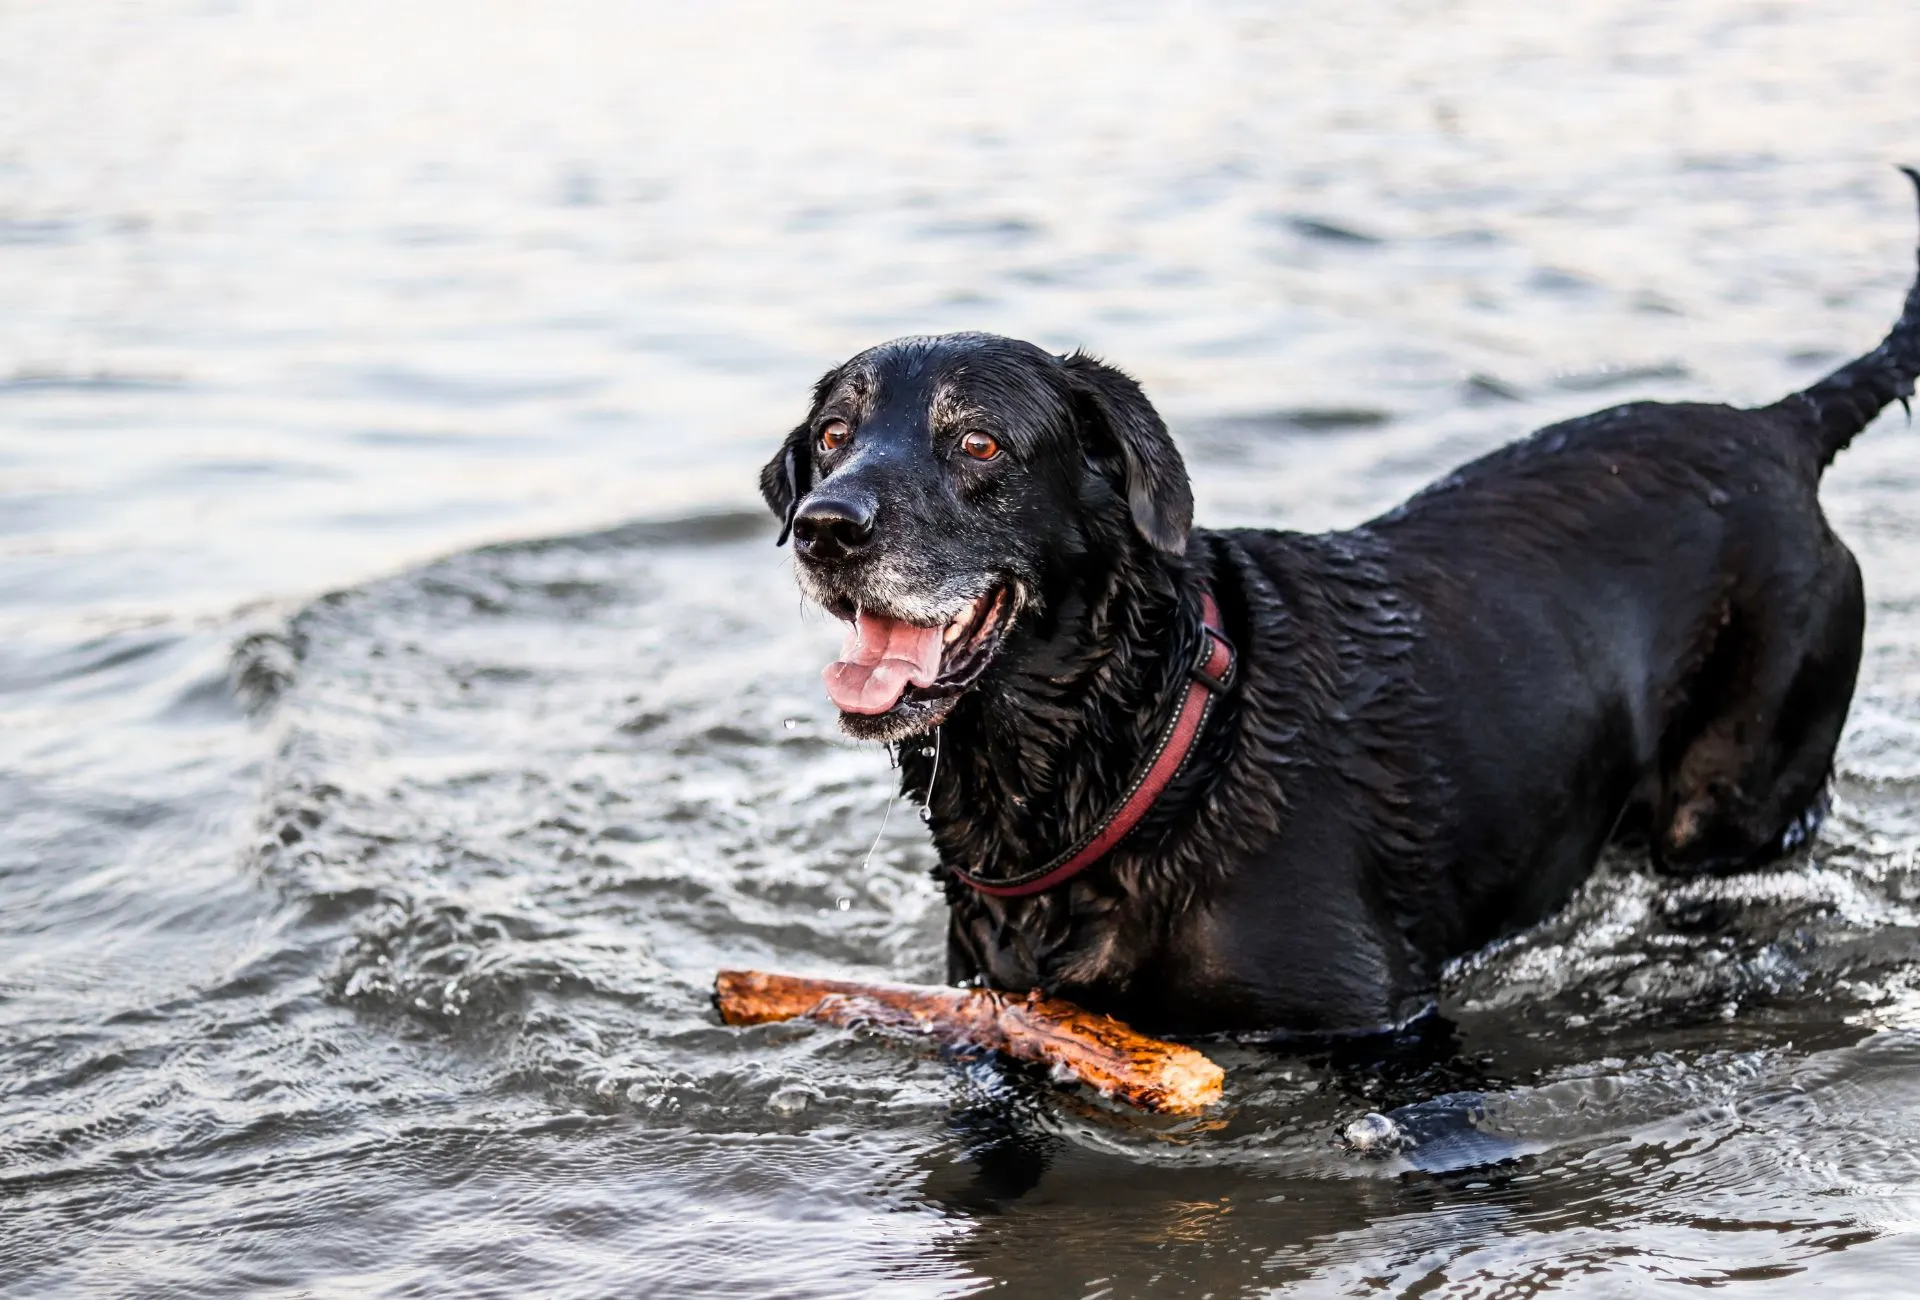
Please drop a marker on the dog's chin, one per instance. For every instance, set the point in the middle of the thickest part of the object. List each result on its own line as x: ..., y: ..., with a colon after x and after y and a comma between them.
x: 910, y: 717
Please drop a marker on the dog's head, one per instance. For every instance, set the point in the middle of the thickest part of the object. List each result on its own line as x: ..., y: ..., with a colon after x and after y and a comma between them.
x: 942, y: 488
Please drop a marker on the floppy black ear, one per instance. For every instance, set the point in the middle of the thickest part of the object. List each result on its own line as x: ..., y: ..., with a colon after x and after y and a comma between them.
x: 789, y: 475
x: 1158, y: 494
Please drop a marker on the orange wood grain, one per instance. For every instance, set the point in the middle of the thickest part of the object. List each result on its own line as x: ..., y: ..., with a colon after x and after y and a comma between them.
x: 1098, y: 1050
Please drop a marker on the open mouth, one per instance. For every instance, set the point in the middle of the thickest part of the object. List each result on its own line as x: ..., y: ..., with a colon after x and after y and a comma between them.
x: 887, y: 661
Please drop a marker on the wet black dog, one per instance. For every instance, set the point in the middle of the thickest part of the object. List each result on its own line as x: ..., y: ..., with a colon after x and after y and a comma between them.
x: 1633, y: 623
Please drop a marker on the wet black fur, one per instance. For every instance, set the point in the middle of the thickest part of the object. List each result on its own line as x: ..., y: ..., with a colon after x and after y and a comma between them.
x: 1632, y: 624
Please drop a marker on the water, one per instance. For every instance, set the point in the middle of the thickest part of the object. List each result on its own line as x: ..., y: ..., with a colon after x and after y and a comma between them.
x: 358, y: 943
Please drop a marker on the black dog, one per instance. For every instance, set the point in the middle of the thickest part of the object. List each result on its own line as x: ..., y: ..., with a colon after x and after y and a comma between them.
x: 1635, y: 623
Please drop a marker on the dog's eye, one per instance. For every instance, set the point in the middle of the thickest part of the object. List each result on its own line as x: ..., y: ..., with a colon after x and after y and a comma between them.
x: 834, y: 435
x: 980, y: 446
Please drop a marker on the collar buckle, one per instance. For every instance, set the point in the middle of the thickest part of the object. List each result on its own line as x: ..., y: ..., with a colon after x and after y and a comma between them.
x: 1216, y: 666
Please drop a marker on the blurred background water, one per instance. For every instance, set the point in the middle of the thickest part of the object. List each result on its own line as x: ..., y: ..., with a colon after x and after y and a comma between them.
x: 357, y: 943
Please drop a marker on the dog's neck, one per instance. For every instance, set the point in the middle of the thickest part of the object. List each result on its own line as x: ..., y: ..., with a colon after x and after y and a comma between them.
x: 1038, y: 757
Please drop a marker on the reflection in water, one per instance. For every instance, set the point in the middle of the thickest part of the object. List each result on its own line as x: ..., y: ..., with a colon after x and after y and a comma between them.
x: 362, y: 944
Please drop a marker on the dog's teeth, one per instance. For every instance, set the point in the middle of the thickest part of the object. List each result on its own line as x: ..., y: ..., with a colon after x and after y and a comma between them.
x: 954, y: 629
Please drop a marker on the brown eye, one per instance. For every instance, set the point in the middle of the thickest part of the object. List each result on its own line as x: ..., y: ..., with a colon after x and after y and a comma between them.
x: 834, y: 435
x: 980, y: 446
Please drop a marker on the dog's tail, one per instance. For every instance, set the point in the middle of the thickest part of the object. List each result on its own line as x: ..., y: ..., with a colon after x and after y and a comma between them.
x: 1845, y: 402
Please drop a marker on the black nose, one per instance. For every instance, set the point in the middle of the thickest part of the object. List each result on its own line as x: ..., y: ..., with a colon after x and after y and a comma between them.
x: 833, y: 527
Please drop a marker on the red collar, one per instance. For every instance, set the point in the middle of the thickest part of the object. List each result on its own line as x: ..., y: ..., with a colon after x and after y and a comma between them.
x: 1210, y: 674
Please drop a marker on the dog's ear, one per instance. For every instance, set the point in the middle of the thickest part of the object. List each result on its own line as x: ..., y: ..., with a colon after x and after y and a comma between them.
x: 1157, y: 491
x: 789, y: 475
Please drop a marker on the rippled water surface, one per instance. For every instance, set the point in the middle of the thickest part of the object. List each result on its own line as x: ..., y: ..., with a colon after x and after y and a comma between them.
x: 360, y: 906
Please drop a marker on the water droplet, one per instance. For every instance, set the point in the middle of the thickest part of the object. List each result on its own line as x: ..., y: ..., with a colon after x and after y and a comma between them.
x: 790, y: 1099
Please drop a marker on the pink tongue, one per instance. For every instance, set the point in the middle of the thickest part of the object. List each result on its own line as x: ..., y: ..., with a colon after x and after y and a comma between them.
x: 880, y: 658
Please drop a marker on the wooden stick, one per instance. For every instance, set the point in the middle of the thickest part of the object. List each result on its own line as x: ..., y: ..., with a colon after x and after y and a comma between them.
x: 1098, y: 1050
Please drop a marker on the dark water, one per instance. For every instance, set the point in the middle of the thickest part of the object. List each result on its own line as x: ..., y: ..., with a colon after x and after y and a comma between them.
x: 360, y: 943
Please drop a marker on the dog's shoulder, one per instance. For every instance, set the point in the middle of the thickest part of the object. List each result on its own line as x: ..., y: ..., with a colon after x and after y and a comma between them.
x: 1333, y: 693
